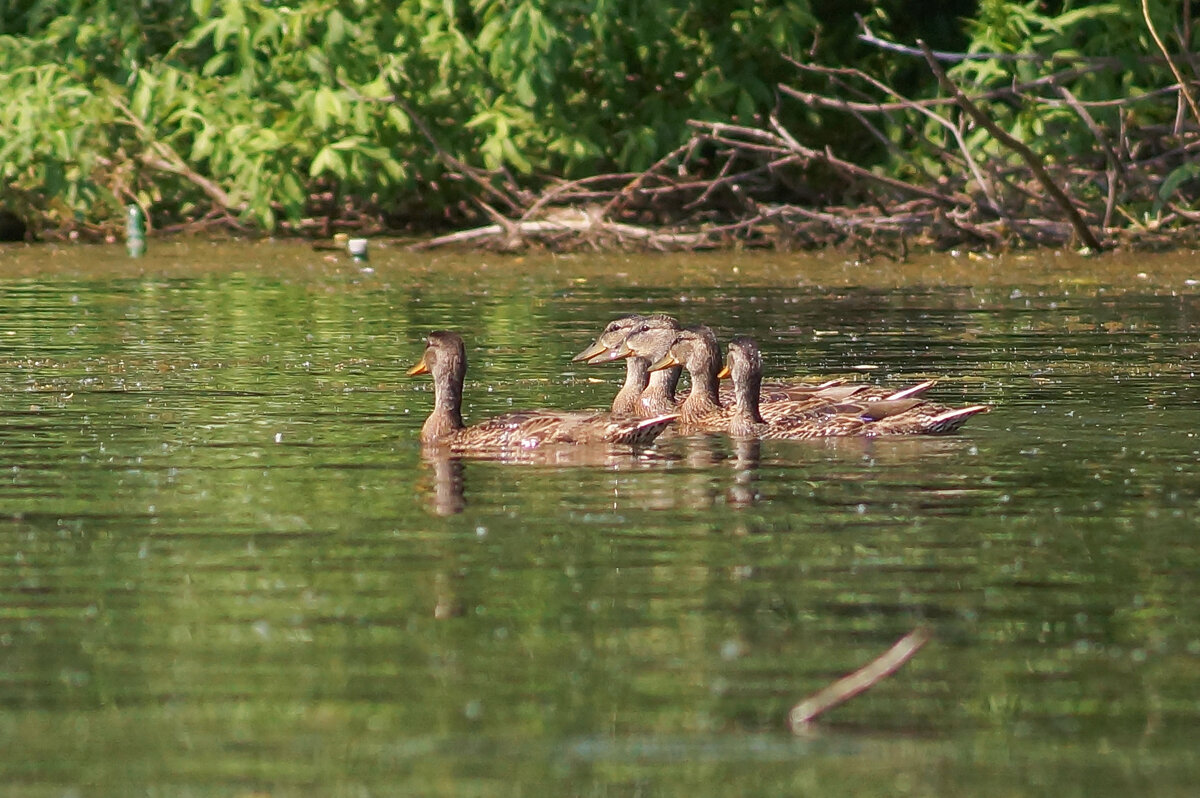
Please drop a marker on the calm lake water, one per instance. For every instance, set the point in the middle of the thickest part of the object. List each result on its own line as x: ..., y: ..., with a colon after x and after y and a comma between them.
x: 225, y: 569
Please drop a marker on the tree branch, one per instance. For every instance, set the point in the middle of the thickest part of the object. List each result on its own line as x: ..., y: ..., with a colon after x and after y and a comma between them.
x: 1031, y: 159
x: 803, y: 714
x: 1183, y: 86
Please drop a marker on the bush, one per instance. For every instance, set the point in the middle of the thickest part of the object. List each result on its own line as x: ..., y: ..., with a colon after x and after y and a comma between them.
x: 251, y: 107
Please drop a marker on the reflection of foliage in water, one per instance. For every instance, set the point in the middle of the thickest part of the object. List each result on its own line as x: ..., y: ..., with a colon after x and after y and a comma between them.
x: 214, y: 528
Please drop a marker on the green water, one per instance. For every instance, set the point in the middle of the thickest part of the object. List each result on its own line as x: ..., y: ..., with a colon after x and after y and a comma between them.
x: 225, y: 568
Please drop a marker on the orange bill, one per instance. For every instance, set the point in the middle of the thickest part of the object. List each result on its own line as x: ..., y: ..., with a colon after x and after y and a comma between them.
x: 665, y: 362
x: 421, y: 368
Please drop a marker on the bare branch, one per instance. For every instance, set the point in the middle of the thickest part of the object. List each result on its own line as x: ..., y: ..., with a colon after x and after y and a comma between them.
x: 163, y: 158
x: 866, y: 677
x: 1027, y: 155
x: 940, y: 55
x: 1183, y: 86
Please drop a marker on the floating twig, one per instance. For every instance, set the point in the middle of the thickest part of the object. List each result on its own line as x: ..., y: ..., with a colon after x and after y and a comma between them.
x: 866, y: 677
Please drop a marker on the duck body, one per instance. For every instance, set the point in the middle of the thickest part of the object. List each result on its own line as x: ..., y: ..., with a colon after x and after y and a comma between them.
x: 708, y: 408
x: 899, y: 413
x: 528, y: 429
x: 445, y: 359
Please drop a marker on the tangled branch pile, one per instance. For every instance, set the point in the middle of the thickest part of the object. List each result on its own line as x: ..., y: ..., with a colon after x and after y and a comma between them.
x: 1026, y: 163
x: 566, y: 124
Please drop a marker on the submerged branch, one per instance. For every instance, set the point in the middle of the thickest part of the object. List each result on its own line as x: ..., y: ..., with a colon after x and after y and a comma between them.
x: 866, y: 677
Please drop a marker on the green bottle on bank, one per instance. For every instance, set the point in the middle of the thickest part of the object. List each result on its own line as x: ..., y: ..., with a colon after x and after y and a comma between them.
x: 135, y: 231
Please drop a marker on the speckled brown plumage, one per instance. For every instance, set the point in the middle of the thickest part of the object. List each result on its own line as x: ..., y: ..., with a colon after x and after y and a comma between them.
x: 445, y: 359
x: 706, y: 408
x: 642, y: 339
x: 897, y: 414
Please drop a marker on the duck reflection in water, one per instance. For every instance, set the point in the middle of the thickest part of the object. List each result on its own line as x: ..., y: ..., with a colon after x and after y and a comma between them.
x: 688, y: 472
x: 747, y: 455
x: 445, y: 495
x: 444, y: 482
x: 698, y: 477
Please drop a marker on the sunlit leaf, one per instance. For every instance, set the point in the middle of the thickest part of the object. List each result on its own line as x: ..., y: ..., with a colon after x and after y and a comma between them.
x: 327, y: 160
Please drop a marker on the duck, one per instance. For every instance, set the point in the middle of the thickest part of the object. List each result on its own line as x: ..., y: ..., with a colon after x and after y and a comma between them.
x: 445, y: 359
x: 642, y: 394
x: 706, y: 408
x: 696, y: 350
x: 896, y: 414
x: 654, y: 334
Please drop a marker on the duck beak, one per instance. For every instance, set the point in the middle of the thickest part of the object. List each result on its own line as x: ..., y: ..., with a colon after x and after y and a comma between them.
x: 592, y: 351
x: 420, y: 368
x: 665, y: 362
x: 619, y: 352
x: 724, y: 373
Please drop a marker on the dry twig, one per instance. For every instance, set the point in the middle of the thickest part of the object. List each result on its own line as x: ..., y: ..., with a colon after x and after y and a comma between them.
x: 866, y: 677
x: 1184, y: 89
x: 1029, y: 156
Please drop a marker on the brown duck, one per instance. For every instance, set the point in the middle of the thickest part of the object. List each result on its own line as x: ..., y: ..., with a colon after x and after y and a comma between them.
x: 898, y: 414
x: 445, y: 358
x: 644, y: 339
x: 642, y: 394
x: 705, y: 408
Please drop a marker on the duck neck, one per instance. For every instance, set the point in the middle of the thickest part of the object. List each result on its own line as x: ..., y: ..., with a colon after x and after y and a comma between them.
x: 659, y: 395
x: 703, y: 397
x: 637, y: 376
x: 447, y: 403
x: 746, y: 387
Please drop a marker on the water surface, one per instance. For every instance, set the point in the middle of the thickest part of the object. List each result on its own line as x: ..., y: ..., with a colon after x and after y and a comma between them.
x: 225, y: 568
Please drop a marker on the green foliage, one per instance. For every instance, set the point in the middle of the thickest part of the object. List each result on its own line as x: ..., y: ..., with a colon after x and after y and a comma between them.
x: 253, y: 107
x: 1073, y: 34
x: 266, y: 102
x: 1102, y: 53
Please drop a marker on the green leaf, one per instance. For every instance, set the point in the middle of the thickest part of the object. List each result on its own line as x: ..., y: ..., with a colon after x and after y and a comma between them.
x: 327, y: 160
x: 399, y: 119
x: 143, y: 95
x: 328, y: 108
x: 523, y: 91
x: 1178, y: 176
x: 216, y: 64
x: 348, y: 143
x: 336, y: 28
